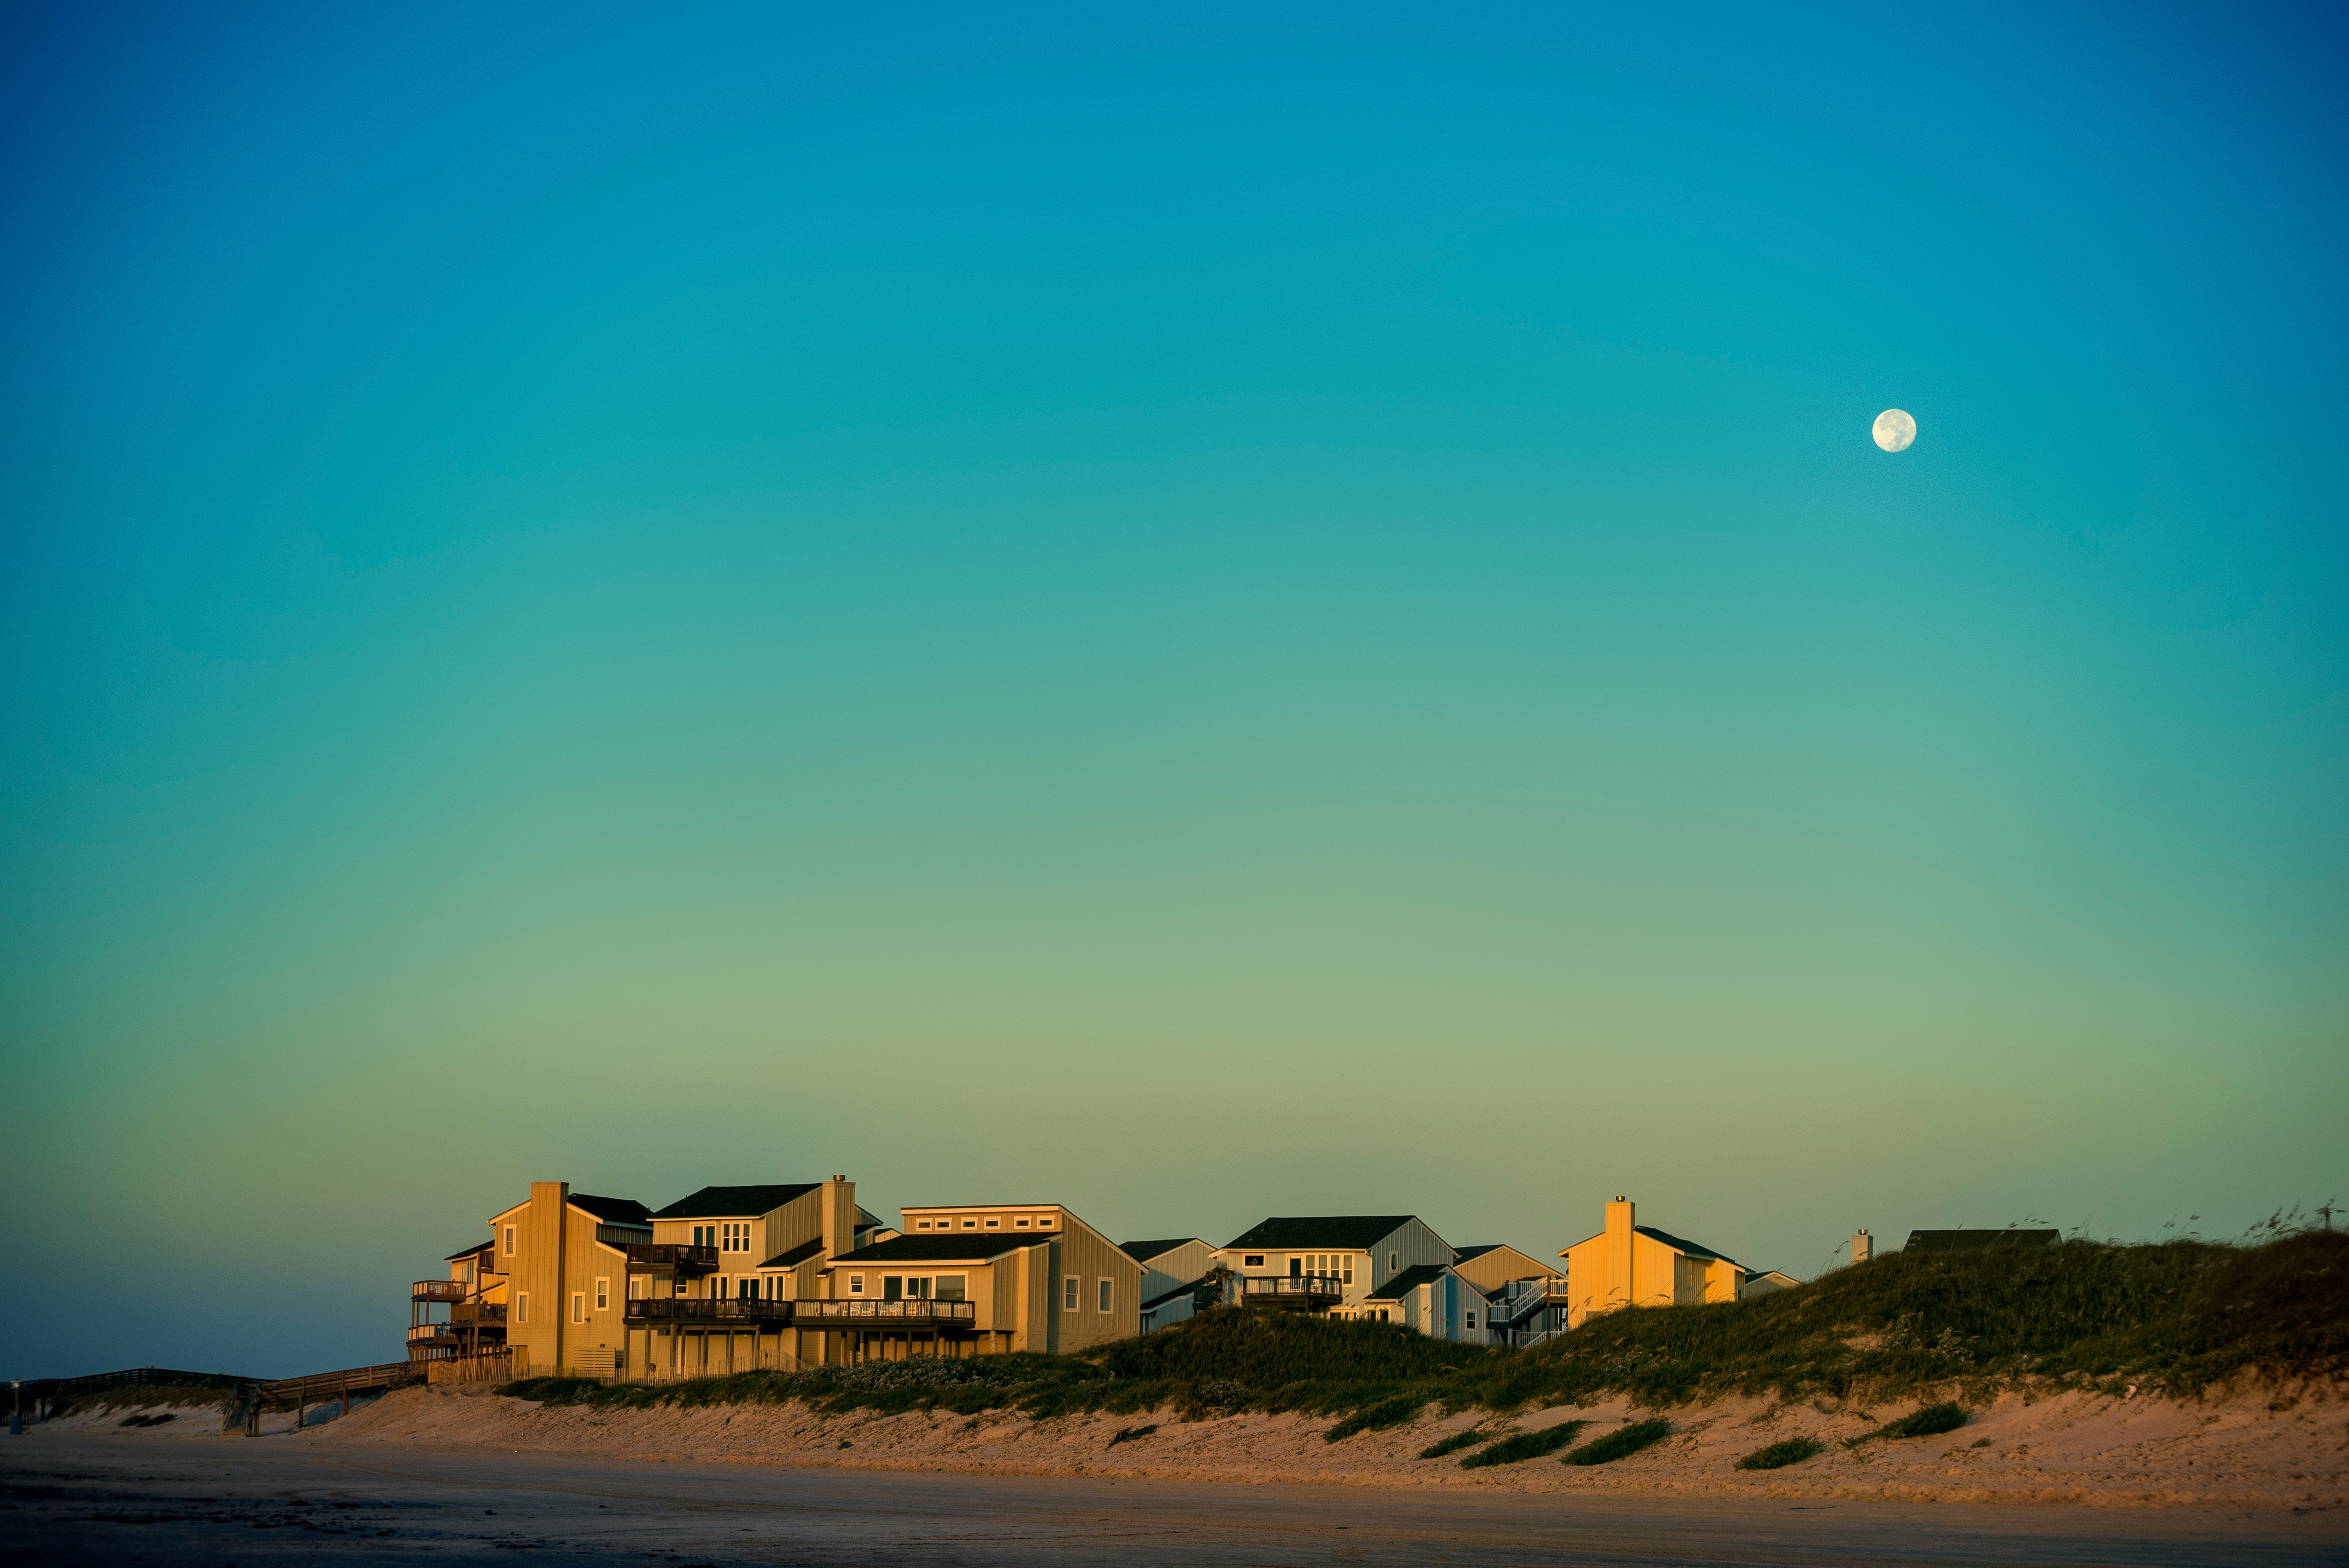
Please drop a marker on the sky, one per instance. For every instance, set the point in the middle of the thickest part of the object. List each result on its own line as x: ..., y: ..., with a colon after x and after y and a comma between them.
x: 1197, y: 613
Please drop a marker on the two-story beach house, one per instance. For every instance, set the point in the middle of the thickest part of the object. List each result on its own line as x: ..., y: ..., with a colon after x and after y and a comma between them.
x: 1336, y: 1263
x: 1631, y: 1264
x: 973, y: 1279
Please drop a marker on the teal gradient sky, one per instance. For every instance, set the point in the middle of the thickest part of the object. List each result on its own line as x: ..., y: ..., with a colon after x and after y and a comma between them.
x: 1203, y: 615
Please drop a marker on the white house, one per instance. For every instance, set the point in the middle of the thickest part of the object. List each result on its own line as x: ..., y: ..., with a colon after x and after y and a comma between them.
x: 1171, y: 1271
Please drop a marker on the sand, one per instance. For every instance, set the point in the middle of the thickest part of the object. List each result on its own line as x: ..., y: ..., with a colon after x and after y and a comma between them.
x: 2262, y: 1449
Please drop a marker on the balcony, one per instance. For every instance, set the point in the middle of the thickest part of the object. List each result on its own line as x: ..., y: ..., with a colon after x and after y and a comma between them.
x: 715, y: 1312
x: 1308, y: 1292
x: 441, y: 1290
x: 477, y: 1315
x: 859, y: 1316
x: 671, y: 1258
x: 430, y: 1333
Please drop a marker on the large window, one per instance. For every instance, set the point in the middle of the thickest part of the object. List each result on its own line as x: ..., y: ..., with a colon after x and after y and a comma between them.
x: 1253, y: 1261
x: 950, y: 1286
x: 1068, y: 1293
x: 1108, y: 1295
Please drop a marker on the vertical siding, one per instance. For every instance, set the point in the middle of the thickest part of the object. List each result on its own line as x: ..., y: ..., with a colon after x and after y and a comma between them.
x: 1093, y: 1257
x: 1172, y: 1270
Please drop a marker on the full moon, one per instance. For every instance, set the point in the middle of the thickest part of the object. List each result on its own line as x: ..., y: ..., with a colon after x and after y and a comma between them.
x: 1895, y: 429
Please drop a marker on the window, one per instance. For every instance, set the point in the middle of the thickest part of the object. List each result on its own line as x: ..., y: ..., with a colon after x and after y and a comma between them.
x: 1253, y: 1261
x: 1347, y: 1262
x: 971, y: 1224
x: 1472, y: 1318
x: 1393, y: 1261
x: 602, y: 1292
x: 636, y: 1287
x: 994, y: 1224
x: 1068, y: 1293
x: 893, y: 1287
x: 509, y: 1240
x: 521, y: 1308
x: 1296, y: 1267
x: 950, y: 1286
x: 921, y: 1224
x: 578, y: 1306
x: 856, y: 1284
x: 1044, y: 1224
x: 1108, y: 1294
x: 1022, y: 1223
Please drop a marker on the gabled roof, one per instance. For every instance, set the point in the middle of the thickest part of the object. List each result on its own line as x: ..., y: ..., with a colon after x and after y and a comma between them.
x: 794, y: 1256
x: 1348, y: 1231
x: 612, y: 1211
x: 1979, y: 1241
x: 1142, y: 1252
x: 734, y: 1203
x: 469, y: 1252
x: 1691, y: 1248
x: 1669, y: 1239
x: 960, y: 1247
x: 1410, y: 1279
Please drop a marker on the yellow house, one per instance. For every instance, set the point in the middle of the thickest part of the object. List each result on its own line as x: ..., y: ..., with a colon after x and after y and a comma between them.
x: 564, y: 1258
x: 1631, y: 1264
x: 972, y: 1279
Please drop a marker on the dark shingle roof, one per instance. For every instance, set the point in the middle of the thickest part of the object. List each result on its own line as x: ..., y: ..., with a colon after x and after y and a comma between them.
x: 612, y: 1211
x: 1410, y: 1279
x: 1691, y: 1248
x: 965, y: 1246
x: 1462, y: 1255
x: 1977, y: 1240
x: 795, y: 1256
x: 1142, y: 1252
x: 469, y: 1252
x: 1346, y: 1231
x: 725, y: 1203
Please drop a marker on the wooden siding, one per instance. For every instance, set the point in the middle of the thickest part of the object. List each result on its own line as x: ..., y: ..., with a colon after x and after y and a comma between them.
x: 1174, y: 1269
x: 1488, y: 1272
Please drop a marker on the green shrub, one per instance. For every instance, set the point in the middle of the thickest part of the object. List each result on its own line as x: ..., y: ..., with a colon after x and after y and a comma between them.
x: 1525, y: 1446
x: 1778, y: 1456
x: 1453, y: 1444
x: 1374, y: 1418
x: 1620, y: 1443
x: 1931, y: 1421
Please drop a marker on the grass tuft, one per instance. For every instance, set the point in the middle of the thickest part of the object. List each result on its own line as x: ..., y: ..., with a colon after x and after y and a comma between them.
x: 1376, y: 1418
x: 1621, y: 1443
x: 1778, y: 1456
x: 1525, y: 1446
x: 1453, y: 1444
x: 1931, y: 1421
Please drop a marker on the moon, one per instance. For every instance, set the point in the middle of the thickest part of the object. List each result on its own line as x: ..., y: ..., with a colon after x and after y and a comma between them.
x: 1895, y: 429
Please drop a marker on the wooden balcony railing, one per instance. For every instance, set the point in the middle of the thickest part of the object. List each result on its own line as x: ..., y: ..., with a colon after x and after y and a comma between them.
x: 477, y: 1313
x: 855, y: 1313
x: 714, y: 1309
x: 1292, y: 1289
x: 441, y: 1290
x: 671, y: 1257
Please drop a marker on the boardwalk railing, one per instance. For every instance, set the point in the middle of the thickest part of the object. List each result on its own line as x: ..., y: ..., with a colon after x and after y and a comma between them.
x: 854, y: 1315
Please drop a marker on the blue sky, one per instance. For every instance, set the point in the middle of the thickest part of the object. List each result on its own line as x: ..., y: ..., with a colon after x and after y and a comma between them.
x: 1197, y: 614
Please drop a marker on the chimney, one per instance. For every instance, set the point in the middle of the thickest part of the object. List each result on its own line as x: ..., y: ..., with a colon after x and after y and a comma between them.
x: 1622, y: 1214
x: 1862, y: 1247
x: 839, y: 1216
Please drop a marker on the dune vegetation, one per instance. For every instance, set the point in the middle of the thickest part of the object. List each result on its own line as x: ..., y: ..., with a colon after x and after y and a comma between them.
x: 2172, y: 1318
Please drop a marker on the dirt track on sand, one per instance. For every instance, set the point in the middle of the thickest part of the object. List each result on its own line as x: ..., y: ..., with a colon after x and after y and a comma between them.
x: 2261, y: 1451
